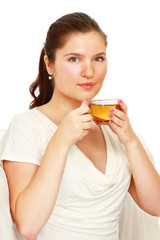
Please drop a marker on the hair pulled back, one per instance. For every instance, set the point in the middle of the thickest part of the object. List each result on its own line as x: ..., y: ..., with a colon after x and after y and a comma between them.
x: 42, y: 88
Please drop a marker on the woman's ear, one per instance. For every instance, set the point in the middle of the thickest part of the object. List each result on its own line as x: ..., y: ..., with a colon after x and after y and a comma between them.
x: 49, y: 65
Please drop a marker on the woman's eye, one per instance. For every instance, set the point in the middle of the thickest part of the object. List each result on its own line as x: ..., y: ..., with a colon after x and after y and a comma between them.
x: 99, y: 59
x: 73, y: 59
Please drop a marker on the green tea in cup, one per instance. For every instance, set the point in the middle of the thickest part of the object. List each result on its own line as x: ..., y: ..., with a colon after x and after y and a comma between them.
x: 101, y: 108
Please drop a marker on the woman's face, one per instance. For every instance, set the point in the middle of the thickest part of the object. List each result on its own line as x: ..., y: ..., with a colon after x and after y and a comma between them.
x: 80, y: 66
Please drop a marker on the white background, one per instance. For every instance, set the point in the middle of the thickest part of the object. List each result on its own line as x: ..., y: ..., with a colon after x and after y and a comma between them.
x: 133, y: 29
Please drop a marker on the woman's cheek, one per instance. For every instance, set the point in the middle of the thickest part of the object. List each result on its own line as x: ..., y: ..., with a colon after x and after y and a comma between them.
x: 71, y: 73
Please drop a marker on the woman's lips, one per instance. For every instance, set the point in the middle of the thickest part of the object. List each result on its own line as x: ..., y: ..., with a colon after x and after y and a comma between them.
x: 87, y: 85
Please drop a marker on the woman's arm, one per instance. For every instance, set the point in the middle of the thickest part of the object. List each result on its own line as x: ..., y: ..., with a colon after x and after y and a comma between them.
x: 145, y: 182
x: 33, y: 189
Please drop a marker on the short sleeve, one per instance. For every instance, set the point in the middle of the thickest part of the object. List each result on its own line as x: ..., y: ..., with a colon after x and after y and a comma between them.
x: 19, y: 143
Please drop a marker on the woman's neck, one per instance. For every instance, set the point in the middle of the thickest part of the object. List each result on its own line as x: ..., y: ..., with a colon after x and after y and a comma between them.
x: 58, y: 107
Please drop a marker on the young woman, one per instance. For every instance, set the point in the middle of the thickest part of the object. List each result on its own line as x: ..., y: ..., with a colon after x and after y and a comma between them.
x: 67, y: 176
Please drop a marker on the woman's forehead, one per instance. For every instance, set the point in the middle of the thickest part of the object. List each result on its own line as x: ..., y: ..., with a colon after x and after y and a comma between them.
x: 84, y: 41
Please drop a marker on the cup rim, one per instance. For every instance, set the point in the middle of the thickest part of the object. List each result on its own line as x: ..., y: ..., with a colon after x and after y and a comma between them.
x: 109, y: 101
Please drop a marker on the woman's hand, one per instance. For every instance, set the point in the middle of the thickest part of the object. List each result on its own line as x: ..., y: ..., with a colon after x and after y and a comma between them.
x: 76, y: 124
x: 120, y: 124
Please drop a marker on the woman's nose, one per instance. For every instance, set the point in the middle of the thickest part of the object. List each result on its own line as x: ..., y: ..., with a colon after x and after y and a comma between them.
x: 87, y: 70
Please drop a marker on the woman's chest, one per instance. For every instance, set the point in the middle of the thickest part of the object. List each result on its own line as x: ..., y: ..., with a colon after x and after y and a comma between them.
x: 94, y: 147
x: 83, y: 184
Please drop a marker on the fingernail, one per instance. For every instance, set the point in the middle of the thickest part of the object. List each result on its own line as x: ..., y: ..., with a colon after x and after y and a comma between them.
x: 112, y: 110
x: 120, y: 101
x: 110, y: 115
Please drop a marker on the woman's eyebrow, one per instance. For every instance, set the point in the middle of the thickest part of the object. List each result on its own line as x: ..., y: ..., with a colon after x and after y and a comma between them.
x: 73, y: 53
x: 100, y: 53
x: 80, y: 54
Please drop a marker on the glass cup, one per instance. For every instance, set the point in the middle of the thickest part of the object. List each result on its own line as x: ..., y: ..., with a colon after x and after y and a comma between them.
x: 101, y: 108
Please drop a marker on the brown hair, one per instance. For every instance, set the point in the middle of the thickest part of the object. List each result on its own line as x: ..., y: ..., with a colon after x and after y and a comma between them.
x: 57, y: 36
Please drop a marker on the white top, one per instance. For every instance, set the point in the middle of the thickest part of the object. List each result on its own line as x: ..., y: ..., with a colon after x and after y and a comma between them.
x: 89, y: 202
x: 6, y: 223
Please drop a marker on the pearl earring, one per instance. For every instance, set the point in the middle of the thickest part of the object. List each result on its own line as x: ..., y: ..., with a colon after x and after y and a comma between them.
x: 51, y: 77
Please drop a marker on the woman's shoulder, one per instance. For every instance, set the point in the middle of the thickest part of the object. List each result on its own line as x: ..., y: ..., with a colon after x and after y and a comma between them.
x: 25, y: 118
x: 26, y: 114
x: 20, y: 142
x: 22, y: 122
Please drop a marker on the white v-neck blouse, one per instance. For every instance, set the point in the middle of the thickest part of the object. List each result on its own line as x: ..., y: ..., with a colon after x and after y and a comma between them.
x: 89, y: 202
